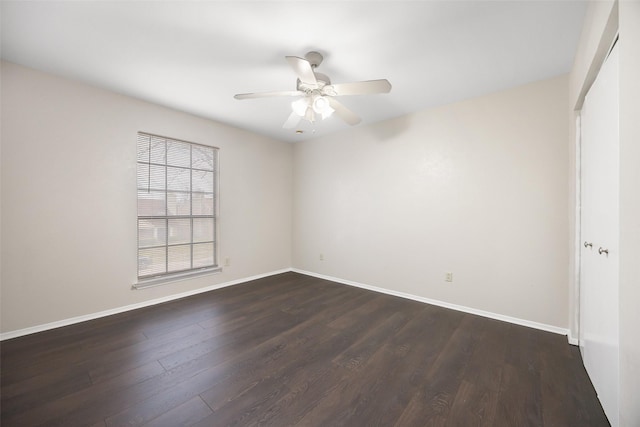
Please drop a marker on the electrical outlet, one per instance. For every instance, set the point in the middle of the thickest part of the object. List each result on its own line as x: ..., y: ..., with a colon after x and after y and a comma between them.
x: 448, y: 276
x: 227, y: 262
x: 321, y: 257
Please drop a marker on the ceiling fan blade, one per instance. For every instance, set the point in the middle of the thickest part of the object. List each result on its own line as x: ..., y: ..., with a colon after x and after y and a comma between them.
x: 343, y: 112
x: 292, y: 121
x: 303, y: 69
x: 268, y: 94
x: 362, y: 88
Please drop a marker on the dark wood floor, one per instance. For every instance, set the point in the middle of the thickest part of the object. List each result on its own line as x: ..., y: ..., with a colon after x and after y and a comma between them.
x: 295, y: 350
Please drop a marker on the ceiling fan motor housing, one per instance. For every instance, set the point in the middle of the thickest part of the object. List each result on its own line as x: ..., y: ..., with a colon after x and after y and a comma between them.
x: 321, y: 79
x: 314, y: 58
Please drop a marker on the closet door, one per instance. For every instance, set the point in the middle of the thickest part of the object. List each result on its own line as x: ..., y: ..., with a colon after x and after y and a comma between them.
x: 599, y: 342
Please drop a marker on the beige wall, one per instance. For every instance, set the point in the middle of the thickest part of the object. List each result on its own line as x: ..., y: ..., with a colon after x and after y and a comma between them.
x: 477, y: 188
x: 603, y: 20
x: 69, y: 201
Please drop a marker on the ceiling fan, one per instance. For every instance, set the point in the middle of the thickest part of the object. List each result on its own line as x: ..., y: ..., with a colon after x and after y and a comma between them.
x: 318, y: 94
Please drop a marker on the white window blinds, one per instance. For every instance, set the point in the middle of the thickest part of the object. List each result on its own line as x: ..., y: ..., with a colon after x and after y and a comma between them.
x: 176, y: 206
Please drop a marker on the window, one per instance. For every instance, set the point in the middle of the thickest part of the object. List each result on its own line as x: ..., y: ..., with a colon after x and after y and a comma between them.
x: 176, y: 207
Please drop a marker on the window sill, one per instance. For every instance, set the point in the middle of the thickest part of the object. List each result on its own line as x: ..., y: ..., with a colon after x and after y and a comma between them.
x: 164, y: 280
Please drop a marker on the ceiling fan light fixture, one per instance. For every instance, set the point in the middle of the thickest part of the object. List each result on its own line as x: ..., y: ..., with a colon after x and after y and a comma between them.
x: 300, y: 107
x: 321, y: 106
x: 309, y: 115
x: 320, y: 103
x: 328, y: 111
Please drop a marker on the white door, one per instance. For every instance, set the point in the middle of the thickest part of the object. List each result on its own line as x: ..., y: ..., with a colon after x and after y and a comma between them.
x: 599, y: 343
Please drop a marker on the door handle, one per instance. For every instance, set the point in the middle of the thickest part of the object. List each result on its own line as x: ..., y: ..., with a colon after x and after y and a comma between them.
x: 603, y: 251
x: 588, y: 245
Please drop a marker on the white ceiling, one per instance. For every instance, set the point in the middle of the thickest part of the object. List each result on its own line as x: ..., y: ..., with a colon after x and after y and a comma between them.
x: 194, y: 56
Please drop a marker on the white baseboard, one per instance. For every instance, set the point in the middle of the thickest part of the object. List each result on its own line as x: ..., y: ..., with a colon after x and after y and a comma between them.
x: 572, y: 339
x: 514, y: 320
x: 92, y: 316
x: 53, y: 325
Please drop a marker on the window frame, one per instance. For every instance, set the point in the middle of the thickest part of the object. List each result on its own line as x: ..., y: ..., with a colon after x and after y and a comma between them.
x: 158, y: 278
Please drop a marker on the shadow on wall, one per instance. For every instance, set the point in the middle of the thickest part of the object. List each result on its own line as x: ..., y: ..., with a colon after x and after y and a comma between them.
x: 390, y: 129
